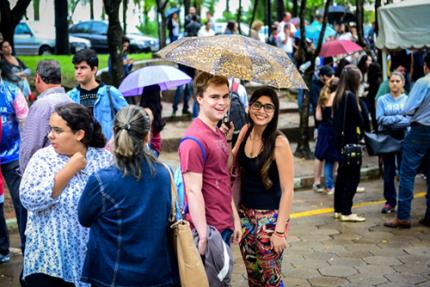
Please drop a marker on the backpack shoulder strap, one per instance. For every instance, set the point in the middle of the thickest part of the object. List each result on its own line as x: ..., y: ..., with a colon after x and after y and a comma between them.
x: 196, y: 140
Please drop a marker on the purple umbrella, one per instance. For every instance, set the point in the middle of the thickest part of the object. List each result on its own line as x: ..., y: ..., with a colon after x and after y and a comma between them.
x: 166, y: 77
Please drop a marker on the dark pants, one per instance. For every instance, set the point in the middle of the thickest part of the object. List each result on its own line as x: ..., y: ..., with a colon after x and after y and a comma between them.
x: 186, y: 91
x: 13, y: 179
x: 4, y: 235
x: 347, y: 181
x: 43, y: 280
x: 416, y: 151
x: 391, y: 166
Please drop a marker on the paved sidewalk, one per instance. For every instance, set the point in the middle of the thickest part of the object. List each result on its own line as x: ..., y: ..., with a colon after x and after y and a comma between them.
x: 323, y: 252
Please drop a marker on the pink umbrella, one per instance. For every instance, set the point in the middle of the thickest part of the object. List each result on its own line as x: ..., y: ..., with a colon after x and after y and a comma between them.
x: 338, y: 47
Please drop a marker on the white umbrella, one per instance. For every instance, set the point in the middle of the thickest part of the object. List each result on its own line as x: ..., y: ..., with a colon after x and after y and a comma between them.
x: 166, y: 77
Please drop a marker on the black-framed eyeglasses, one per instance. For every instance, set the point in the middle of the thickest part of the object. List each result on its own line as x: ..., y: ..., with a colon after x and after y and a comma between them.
x: 268, y: 108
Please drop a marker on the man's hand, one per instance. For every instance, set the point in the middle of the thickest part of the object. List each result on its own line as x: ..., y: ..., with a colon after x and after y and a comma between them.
x: 237, y: 233
x: 203, y: 244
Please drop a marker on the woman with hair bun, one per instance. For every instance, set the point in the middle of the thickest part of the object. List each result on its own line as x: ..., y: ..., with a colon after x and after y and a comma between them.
x: 127, y: 208
x: 50, y: 190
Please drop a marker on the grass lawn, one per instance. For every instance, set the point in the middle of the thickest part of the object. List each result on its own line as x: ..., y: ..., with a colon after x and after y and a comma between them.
x: 67, y: 69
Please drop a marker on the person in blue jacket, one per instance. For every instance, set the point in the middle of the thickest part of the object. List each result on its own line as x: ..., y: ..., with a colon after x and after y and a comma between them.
x: 104, y: 101
x: 127, y: 208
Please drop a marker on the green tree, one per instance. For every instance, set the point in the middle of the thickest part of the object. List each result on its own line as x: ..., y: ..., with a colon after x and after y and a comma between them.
x: 36, y: 9
x: 9, y: 18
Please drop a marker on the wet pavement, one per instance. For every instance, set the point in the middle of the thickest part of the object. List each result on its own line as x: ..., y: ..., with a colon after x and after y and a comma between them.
x: 326, y: 252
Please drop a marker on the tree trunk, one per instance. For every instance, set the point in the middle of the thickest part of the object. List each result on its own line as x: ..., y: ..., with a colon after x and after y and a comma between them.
x: 114, y: 39
x: 295, y: 8
x: 187, y: 4
x: 239, y: 17
x: 360, y: 21
x: 254, y: 12
x: 227, y: 5
x: 377, y: 5
x: 92, y: 9
x: 9, y: 18
x: 303, y: 150
x: 161, y: 7
x: 269, y: 14
x: 280, y: 10
x: 124, y: 16
x: 61, y: 28
x: 36, y: 9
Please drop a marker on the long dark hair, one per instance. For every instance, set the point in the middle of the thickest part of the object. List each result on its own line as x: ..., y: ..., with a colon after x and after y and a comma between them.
x: 130, y: 128
x: 151, y: 99
x: 269, y: 136
x: 362, y: 64
x: 78, y: 117
x: 349, y: 81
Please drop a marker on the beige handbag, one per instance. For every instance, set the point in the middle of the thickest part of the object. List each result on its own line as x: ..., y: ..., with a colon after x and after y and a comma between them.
x: 191, y: 270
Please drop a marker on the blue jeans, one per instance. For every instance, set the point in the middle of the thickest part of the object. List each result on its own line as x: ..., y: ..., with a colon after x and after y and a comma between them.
x: 390, y: 170
x: 13, y: 179
x: 186, y: 91
x: 416, y: 148
x: 328, y: 174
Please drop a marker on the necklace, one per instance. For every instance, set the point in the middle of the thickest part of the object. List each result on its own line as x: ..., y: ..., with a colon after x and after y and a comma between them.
x: 256, y: 146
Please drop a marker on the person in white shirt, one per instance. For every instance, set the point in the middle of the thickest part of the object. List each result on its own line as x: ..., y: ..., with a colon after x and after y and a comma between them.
x: 206, y: 30
x: 285, y: 42
x: 287, y: 20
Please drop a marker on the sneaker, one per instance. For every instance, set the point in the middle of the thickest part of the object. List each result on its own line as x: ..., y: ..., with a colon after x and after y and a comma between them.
x: 173, y: 114
x: 360, y: 189
x: 186, y: 112
x: 387, y: 209
x: 317, y: 187
x: 337, y: 215
x: 4, y: 258
x: 330, y: 191
x: 352, y: 218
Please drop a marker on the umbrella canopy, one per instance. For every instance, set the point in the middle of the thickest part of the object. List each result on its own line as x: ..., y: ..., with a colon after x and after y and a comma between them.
x: 166, y: 77
x: 171, y: 11
x: 312, y: 32
x: 236, y: 56
x: 338, y: 47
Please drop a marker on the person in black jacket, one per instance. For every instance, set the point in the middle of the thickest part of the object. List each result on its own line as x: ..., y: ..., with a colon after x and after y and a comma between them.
x: 349, y: 125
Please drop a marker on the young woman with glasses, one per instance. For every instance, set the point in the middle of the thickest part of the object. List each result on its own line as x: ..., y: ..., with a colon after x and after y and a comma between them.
x: 265, y: 161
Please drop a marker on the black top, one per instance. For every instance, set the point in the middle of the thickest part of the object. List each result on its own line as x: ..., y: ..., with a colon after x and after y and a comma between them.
x: 253, y: 193
x: 88, y: 97
x: 354, y: 120
x: 327, y: 116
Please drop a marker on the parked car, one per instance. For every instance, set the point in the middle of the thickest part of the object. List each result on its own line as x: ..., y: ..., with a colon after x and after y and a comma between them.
x: 96, y: 32
x: 39, y: 39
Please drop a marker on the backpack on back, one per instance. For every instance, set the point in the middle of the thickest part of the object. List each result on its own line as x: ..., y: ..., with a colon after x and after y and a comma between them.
x: 237, y: 111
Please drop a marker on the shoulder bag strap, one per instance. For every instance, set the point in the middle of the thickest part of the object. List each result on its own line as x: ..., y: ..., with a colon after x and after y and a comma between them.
x: 344, y: 118
x: 174, y: 195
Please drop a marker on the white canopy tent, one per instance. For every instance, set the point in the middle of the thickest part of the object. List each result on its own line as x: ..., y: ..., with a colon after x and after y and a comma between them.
x: 403, y: 25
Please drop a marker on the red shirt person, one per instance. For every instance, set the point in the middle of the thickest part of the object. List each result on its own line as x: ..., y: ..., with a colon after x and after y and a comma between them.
x: 207, y: 182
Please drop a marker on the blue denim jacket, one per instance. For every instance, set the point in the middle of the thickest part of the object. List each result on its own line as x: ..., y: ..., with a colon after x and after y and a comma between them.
x: 102, y: 107
x: 129, y: 229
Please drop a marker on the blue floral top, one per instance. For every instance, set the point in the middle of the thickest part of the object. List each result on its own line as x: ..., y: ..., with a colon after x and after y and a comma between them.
x: 56, y: 242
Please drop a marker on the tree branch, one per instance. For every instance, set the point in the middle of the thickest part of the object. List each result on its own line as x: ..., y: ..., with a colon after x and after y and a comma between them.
x: 19, y: 10
x: 323, y: 28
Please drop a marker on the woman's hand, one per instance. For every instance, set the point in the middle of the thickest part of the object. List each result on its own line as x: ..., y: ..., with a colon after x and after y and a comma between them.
x: 237, y: 233
x: 279, y: 243
x: 77, y: 162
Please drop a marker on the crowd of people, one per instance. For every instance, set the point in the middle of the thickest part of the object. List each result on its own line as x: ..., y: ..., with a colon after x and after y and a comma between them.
x: 91, y: 195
